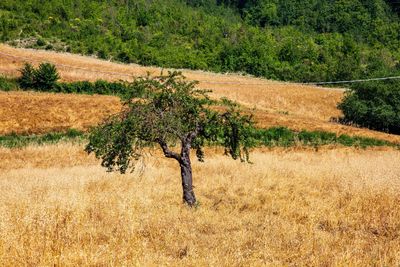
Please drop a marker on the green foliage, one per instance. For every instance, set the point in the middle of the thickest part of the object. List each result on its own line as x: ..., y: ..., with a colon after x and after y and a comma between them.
x: 99, y: 87
x: 272, y: 137
x: 295, y: 40
x: 46, y: 76
x: 43, y: 78
x: 171, y: 110
x: 375, y: 105
x: 18, y: 141
x: 40, y: 42
x: 7, y: 84
x: 27, y: 79
x: 284, y: 137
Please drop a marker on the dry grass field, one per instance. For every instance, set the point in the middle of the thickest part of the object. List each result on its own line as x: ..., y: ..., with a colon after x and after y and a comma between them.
x: 292, y: 105
x: 338, y: 207
x: 291, y: 207
x: 263, y: 94
x: 29, y: 112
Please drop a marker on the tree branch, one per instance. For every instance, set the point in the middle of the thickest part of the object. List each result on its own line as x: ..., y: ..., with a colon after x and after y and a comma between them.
x: 167, y: 152
x: 192, y: 135
x: 188, y: 139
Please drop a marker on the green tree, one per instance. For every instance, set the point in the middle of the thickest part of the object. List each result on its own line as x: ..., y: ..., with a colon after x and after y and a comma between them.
x: 27, y: 79
x: 375, y: 105
x: 172, y: 111
x: 46, y: 76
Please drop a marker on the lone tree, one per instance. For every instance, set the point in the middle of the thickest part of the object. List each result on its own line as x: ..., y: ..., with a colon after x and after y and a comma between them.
x: 170, y: 111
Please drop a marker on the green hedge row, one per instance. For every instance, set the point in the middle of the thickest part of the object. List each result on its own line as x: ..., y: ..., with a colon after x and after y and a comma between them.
x: 16, y: 141
x: 45, y: 79
x: 284, y: 137
x: 272, y: 137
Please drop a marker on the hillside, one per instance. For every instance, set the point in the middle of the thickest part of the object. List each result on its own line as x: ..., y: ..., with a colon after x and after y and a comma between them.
x: 296, y: 106
x: 294, y: 40
x: 309, y: 191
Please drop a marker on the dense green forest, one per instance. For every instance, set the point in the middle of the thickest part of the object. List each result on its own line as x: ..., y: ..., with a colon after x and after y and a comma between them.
x: 298, y: 40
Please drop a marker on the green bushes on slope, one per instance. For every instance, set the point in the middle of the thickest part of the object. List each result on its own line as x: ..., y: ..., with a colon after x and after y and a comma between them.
x: 272, y: 137
x: 45, y: 79
x: 375, y: 105
x: 281, y: 39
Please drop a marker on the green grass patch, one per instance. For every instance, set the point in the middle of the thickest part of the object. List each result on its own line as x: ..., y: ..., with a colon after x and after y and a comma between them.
x: 271, y: 137
x: 284, y: 137
x: 8, y: 84
x: 18, y: 141
x: 99, y: 87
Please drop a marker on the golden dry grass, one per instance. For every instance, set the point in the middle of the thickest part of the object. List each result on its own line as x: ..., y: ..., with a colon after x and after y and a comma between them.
x: 29, y: 112
x: 264, y: 94
x: 277, y: 104
x: 335, y: 207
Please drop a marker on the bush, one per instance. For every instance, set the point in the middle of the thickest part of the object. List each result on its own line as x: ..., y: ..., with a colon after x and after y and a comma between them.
x: 99, y: 87
x: 7, y: 84
x: 43, y: 79
x: 374, y: 105
x: 40, y: 42
x: 27, y: 79
x: 46, y: 76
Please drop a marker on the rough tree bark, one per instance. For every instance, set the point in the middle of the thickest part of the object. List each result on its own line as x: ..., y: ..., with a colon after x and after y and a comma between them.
x: 186, y: 167
x: 186, y: 174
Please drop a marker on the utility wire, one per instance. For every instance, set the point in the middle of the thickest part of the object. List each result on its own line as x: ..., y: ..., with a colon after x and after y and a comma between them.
x: 357, y: 81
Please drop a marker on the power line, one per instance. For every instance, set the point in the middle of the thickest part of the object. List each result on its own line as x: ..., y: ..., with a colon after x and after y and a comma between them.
x: 357, y: 81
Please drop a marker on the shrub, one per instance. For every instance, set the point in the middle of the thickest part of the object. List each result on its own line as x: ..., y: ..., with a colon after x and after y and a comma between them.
x: 7, y: 84
x: 46, y: 76
x: 40, y: 42
x: 43, y: 79
x: 374, y: 105
x: 27, y: 79
x: 99, y: 87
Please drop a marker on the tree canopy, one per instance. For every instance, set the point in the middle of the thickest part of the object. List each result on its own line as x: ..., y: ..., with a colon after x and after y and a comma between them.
x: 375, y: 105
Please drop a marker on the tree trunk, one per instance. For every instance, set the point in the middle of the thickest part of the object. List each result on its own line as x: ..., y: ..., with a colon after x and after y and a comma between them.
x: 186, y: 167
x: 187, y: 181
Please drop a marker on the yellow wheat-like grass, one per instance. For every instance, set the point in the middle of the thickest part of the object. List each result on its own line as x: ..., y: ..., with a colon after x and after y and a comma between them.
x: 298, y: 207
x: 292, y: 105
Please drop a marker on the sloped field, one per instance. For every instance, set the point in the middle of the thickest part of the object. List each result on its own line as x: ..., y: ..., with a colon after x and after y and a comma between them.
x: 334, y: 207
x: 293, y: 105
x: 267, y: 95
x: 29, y: 112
